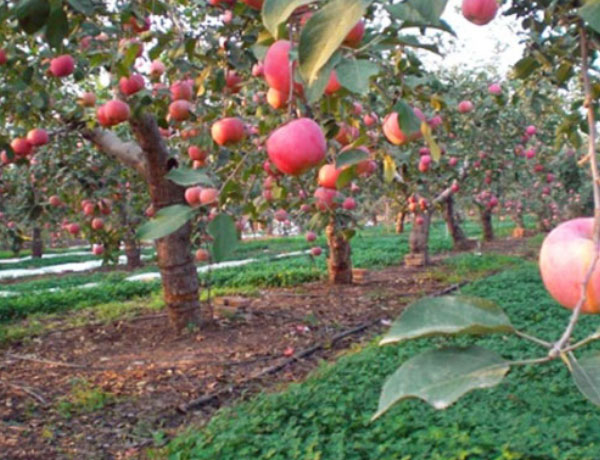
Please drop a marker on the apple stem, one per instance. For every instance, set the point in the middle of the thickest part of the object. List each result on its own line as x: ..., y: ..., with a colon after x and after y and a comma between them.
x: 533, y: 339
x: 559, y: 347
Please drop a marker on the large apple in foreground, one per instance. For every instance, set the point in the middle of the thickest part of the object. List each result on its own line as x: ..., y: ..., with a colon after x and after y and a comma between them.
x: 565, y: 258
x: 297, y: 146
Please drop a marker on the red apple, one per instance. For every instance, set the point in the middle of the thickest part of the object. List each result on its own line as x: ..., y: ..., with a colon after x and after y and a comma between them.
x: 209, y: 196
x: 531, y: 130
x: 192, y: 195
x: 281, y: 215
x: 346, y: 134
x: 479, y: 12
x: 325, y: 198
x: 233, y: 82
x: 89, y: 209
x: 131, y: 85
x: 182, y: 89
x: 258, y: 70
x: 37, y: 137
x: 62, y: 66
x: 495, y: 89
x: 97, y: 249
x: 2, y: 56
x: 328, y: 176
x: 87, y: 99
x: 349, y: 204
x: 55, y: 201
x: 196, y: 153
x: 21, y: 146
x: 202, y: 255
x: 277, y: 99
x: 277, y: 66
x: 228, y: 131
x: 466, y: 106
x: 311, y: 236
x: 316, y: 251
x: 97, y: 223
x: 113, y: 112
x: 157, y: 68
x: 180, y: 109
x: 256, y: 4
x: 355, y: 35
x: 333, y: 85
x: 394, y: 134
x: 73, y: 229
x: 370, y: 119
x: 297, y: 146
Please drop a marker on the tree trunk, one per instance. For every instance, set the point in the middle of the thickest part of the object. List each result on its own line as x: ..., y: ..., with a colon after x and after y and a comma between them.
x: 37, y: 244
x: 418, y: 241
x: 174, y: 252
x: 340, y: 261
x: 485, y: 215
x: 133, y: 253
x: 459, y: 239
x: 400, y: 222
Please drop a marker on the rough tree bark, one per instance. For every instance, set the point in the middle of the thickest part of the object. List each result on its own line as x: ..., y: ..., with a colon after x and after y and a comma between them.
x: 174, y: 252
x: 459, y: 239
x: 418, y: 242
x: 400, y: 222
x: 485, y: 216
x: 340, y: 262
x: 133, y: 251
x: 37, y: 244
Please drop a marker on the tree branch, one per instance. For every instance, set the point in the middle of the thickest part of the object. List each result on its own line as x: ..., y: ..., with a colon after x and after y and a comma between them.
x: 128, y: 153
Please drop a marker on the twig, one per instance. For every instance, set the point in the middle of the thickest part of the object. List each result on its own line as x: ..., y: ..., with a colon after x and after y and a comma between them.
x: 25, y: 389
x: 589, y: 103
x: 533, y: 339
x: 51, y: 363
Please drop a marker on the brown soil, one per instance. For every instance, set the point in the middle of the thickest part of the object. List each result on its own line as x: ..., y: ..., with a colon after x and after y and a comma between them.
x: 151, y: 375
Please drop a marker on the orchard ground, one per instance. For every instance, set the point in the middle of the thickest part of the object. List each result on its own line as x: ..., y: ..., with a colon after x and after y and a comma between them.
x: 73, y: 385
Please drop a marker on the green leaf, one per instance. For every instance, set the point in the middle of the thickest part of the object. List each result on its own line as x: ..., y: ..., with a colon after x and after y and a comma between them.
x: 32, y: 14
x: 222, y: 229
x: 450, y: 315
x: 276, y: 12
x: 586, y: 373
x: 564, y: 72
x: 187, y: 177
x: 85, y: 7
x: 345, y: 178
x: 408, y: 122
x: 418, y: 11
x: 351, y: 157
x: 324, y: 32
x: 441, y: 377
x: 166, y: 221
x: 590, y: 13
x: 315, y: 90
x: 354, y: 74
x: 525, y: 67
x: 57, y: 27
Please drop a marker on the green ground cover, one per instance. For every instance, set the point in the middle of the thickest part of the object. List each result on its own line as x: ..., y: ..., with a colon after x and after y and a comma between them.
x: 536, y: 413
